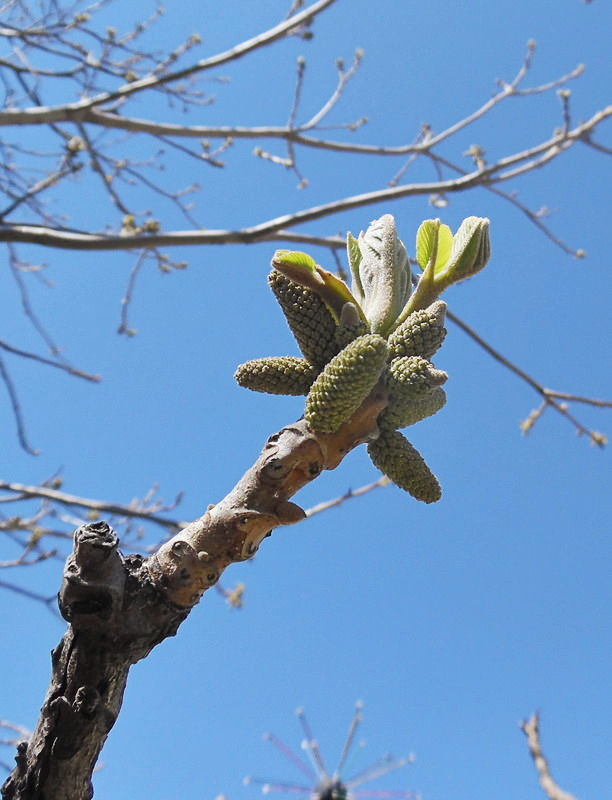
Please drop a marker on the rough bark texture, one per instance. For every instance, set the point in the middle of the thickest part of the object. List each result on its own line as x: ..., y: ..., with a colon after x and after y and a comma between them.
x: 119, y: 609
x: 116, y: 616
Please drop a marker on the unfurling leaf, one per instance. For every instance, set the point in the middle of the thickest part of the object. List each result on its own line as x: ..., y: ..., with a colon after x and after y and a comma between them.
x: 302, y: 269
x: 294, y: 261
x: 469, y: 254
x: 382, y: 276
x: 433, y: 237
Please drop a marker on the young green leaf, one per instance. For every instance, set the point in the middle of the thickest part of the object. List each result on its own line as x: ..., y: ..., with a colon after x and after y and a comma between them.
x: 296, y: 257
x: 426, y: 243
x: 470, y: 251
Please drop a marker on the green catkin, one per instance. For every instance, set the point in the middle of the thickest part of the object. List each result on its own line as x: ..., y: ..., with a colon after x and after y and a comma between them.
x: 308, y: 318
x: 393, y: 454
x: 348, y: 333
x: 410, y: 377
x: 277, y: 375
x: 402, y: 413
x: 345, y: 382
x: 421, y: 334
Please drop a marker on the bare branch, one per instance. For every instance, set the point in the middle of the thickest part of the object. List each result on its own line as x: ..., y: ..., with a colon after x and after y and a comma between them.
x: 16, y: 406
x: 17, y: 267
x: 550, y: 396
x: 75, y: 110
x: 133, y: 511
x: 574, y: 398
x: 274, y: 230
x: 124, y: 327
x: 343, y: 79
x: 24, y: 561
x: 531, y: 730
x: 48, y: 602
x: 48, y: 362
x: 338, y: 501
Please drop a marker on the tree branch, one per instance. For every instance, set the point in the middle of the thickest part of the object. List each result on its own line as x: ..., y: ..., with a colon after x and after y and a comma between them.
x: 74, y: 111
x: 550, y: 396
x: 531, y: 730
x: 26, y: 492
x: 275, y: 229
x: 119, y: 608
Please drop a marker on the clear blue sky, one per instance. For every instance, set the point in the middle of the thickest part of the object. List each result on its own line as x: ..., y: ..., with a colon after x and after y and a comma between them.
x: 452, y: 622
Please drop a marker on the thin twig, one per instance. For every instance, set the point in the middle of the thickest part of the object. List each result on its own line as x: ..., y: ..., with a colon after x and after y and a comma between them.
x: 48, y: 362
x: 16, y: 728
x: 24, y: 561
x: 548, y: 394
x: 271, y: 229
x: 531, y: 730
x: 343, y: 79
x: 337, y: 501
x: 15, y: 405
x: 32, y: 191
x: 126, y: 300
x: 93, y: 505
x: 28, y: 310
x: 48, y: 602
x: 575, y: 398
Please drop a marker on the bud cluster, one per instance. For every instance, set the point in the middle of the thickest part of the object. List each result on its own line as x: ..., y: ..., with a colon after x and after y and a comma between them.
x: 379, y: 332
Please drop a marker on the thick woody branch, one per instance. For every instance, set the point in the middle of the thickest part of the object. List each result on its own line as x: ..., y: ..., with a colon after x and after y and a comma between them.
x: 119, y: 608
x: 192, y: 561
x: 116, y: 616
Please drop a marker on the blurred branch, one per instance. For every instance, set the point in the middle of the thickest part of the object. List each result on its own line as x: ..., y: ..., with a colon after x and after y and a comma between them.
x: 48, y: 362
x: 48, y: 602
x: 137, y: 511
x: 19, y: 734
x: 5, y: 377
x: 531, y: 730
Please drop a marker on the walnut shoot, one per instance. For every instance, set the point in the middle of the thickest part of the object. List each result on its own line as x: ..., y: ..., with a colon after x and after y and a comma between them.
x: 381, y: 274
x: 446, y: 259
x: 303, y: 270
x: 367, y: 349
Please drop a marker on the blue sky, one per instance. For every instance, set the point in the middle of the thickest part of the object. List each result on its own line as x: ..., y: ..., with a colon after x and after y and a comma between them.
x: 452, y: 622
